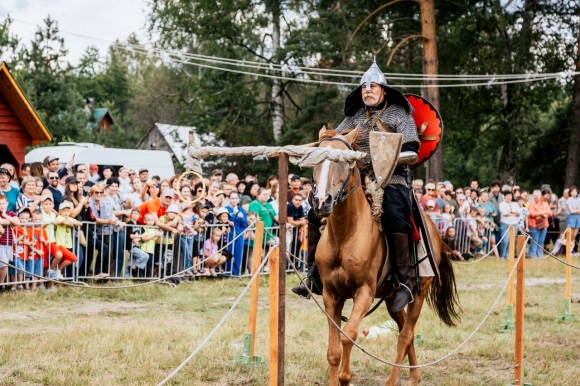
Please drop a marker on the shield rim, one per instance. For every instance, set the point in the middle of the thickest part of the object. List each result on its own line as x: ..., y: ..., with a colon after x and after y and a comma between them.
x: 419, y: 163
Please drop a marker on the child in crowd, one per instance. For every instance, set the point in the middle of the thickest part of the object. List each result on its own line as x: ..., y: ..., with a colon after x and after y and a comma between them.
x: 222, y: 221
x: 186, y: 240
x: 147, y: 239
x: 249, y: 237
x: 213, y: 258
x: 523, y: 218
x: 20, y: 254
x: 472, y: 231
x: 8, y: 219
x: 165, y: 242
x: 451, y: 242
x: 485, y: 227
x: 63, y: 234
x: 40, y: 241
x: 431, y: 212
x: 200, y: 238
x: 138, y: 258
x: 53, y: 249
x: 447, y: 216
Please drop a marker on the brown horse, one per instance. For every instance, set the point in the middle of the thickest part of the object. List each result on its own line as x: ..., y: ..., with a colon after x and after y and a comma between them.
x: 350, y: 257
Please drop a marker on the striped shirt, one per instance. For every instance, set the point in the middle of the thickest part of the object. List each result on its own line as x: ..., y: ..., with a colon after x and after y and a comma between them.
x: 7, y: 237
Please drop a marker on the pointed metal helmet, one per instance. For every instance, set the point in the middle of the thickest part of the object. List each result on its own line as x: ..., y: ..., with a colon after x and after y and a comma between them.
x: 373, y: 74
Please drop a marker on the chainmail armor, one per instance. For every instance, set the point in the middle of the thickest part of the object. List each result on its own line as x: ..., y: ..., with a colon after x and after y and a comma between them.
x: 395, y: 118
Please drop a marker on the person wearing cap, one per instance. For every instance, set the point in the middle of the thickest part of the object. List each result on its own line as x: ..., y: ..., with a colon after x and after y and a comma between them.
x: 374, y: 106
x: 164, y: 245
x: 216, y: 175
x: 94, y: 175
x: 10, y: 192
x: 431, y: 212
x: 295, y: 184
x: 144, y: 175
x: 64, y: 234
x: 29, y: 198
x: 158, y: 207
x: 430, y: 194
x: 52, y: 188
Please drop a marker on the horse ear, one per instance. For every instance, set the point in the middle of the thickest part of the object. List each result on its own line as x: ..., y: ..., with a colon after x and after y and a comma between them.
x: 321, y: 132
x: 350, y: 137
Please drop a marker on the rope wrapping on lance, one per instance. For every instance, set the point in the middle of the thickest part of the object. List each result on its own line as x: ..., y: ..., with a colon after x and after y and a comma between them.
x: 300, y: 155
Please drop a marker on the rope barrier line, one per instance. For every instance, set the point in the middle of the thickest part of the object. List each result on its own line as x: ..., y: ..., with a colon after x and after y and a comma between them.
x: 550, y: 254
x: 158, y: 280
x: 484, y: 256
x: 221, y: 322
x: 384, y: 361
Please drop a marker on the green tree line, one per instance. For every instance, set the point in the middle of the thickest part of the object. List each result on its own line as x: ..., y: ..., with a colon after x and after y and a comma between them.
x: 525, y: 133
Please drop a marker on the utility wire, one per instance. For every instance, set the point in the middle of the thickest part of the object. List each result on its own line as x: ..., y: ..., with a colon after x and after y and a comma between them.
x: 493, y: 80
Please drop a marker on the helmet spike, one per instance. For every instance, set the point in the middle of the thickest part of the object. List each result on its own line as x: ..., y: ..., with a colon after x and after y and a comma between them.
x: 373, y: 74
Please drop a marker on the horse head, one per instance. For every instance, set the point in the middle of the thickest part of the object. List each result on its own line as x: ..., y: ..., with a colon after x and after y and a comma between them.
x: 331, y: 178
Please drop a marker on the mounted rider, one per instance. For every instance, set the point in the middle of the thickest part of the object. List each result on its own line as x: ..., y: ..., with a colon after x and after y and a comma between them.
x: 374, y: 106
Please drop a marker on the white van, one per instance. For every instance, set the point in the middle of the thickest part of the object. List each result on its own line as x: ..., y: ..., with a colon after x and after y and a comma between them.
x: 158, y: 162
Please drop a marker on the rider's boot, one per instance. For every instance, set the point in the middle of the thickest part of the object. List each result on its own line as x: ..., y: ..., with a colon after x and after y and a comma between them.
x: 312, y: 282
x: 402, y: 283
x: 313, y: 277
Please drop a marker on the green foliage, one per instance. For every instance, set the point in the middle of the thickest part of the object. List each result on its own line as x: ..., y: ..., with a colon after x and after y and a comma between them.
x: 490, y: 131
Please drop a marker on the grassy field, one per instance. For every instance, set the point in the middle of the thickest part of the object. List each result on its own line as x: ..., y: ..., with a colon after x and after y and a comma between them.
x: 138, y: 336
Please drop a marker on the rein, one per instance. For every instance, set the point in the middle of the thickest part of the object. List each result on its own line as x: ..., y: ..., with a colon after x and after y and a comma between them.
x: 341, y: 196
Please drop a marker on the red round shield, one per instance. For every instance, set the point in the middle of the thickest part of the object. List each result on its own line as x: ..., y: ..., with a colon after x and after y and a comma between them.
x: 429, y: 127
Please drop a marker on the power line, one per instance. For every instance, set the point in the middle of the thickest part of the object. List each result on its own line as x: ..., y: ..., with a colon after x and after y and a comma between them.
x: 170, y: 55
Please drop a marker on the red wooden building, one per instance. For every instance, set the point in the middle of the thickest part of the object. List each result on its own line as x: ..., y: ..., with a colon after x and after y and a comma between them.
x: 20, y: 126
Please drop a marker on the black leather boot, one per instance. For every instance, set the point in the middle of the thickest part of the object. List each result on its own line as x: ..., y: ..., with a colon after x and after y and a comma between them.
x: 313, y: 277
x: 312, y: 281
x: 403, y: 294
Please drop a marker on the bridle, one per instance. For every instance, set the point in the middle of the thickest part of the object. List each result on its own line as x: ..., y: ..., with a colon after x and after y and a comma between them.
x: 341, y: 196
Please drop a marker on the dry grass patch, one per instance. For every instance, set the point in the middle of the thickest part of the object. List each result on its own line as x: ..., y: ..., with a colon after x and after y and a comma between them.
x: 136, y: 337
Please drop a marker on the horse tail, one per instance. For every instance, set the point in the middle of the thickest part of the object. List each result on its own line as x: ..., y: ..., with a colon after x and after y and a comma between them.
x: 442, y: 297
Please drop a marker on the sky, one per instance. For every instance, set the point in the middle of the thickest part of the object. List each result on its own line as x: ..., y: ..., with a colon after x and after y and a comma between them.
x: 104, y: 19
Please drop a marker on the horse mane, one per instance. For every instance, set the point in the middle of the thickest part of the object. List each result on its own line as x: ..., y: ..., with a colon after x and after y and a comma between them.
x: 331, y: 132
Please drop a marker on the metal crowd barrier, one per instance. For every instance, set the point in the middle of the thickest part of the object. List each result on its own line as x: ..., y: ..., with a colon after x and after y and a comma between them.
x: 463, y: 237
x: 110, y: 255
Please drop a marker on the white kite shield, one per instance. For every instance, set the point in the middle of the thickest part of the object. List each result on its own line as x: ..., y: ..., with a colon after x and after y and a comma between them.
x: 385, y: 149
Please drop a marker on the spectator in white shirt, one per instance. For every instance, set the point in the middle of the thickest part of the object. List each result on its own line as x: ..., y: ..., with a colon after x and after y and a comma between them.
x: 510, y: 213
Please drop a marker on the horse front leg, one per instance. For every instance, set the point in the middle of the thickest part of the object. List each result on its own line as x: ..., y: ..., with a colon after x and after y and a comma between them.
x: 363, y: 299
x: 333, y: 305
x: 405, y: 342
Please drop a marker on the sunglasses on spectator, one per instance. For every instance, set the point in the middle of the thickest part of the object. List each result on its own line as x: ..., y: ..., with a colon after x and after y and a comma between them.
x: 53, y: 178
x: 131, y: 174
x: 99, y: 192
x: 430, y: 190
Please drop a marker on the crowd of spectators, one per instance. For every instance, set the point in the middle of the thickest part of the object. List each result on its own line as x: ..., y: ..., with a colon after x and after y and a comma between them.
x: 110, y: 222
x: 486, y: 215
x: 126, y: 223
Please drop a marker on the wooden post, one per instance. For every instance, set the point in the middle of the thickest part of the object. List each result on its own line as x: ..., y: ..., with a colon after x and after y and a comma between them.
x: 508, y: 324
x: 520, y: 299
x: 278, y: 269
x: 258, y: 241
x: 248, y: 356
x: 568, y: 316
x: 274, y: 316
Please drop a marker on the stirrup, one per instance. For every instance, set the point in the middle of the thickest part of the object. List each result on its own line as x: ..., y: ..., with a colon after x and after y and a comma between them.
x: 399, y: 285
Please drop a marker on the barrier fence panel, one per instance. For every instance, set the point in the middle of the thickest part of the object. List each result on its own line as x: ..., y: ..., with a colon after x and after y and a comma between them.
x: 139, y: 252
x: 473, y: 237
